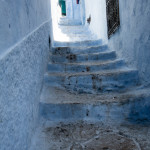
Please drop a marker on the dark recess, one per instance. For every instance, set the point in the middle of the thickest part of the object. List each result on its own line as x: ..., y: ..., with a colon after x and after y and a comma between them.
x: 49, y: 42
x: 113, y: 19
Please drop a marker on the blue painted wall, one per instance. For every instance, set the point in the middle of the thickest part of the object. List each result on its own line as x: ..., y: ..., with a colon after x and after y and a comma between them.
x: 132, y: 40
x: 24, y: 48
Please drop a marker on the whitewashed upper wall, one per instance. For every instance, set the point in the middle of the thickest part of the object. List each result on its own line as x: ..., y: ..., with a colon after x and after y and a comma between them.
x: 69, y: 9
x: 76, y: 10
x: 97, y: 10
x: 132, y: 41
x: 20, y: 17
x: 73, y: 9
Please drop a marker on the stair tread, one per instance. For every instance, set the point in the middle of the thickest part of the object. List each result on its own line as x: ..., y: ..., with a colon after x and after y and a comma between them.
x: 90, y: 54
x: 79, y: 41
x: 51, y: 95
x: 100, y: 73
x: 92, y: 63
x: 93, y: 46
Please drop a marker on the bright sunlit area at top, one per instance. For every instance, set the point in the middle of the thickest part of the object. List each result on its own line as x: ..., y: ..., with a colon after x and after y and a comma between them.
x: 68, y: 20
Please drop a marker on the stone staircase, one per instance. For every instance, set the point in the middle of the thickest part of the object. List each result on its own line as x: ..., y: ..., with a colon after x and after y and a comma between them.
x: 85, y: 65
x: 89, y: 96
x: 85, y: 80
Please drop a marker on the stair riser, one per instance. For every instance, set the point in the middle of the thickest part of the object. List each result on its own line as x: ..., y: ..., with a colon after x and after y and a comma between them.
x: 83, y: 58
x: 68, y: 23
x: 78, y: 32
x: 78, y: 44
x: 136, y: 111
x: 75, y: 30
x: 85, y: 34
x: 58, y: 68
x: 78, y: 38
x: 95, y: 83
x: 67, y: 50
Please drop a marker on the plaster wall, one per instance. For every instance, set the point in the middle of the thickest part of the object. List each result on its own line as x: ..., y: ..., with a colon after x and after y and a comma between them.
x: 97, y: 10
x: 132, y: 40
x: 24, y: 47
x: 76, y: 10
x: 69, y: 9
x: 20, y: 17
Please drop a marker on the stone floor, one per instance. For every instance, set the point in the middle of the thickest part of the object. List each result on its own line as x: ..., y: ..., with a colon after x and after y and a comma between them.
x: 91, y: 136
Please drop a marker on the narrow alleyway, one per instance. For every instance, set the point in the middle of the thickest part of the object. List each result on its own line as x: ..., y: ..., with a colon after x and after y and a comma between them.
x: 74, y: 75
x: 89, y: 97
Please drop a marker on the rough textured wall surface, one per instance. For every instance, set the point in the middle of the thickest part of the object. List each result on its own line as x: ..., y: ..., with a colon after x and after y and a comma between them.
x: 76, y: 10
x: 24, y: 48
x: 97, y: 10
x: 20, y: 17
x: 21, y: 76
x: 132, y: 41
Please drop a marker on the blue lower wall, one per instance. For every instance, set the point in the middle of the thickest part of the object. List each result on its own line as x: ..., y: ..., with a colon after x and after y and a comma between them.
x: 21, y: 76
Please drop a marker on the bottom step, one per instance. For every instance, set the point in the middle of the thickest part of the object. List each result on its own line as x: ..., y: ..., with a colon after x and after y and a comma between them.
x: 87, y: 136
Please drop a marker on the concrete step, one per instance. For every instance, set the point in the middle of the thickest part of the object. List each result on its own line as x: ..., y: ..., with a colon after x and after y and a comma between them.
x: 94, y: 82
x: 72, y: 58
x: 73, y: 38
x: 78, y: 43
x: 75, y: 29
x: 131, y: 107
x: 78, y: 50
x: 85, y: 67
x: 82, y: 36
x: 77, y: 32
x: 89, y: 135
x: 69, y: 22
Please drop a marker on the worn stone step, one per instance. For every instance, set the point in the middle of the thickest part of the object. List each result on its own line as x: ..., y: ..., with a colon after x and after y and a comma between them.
x: 82, y: 36
x: 78, y: 43
x: 72, y: 58
x: 87, y: 135
x: 74, y: 29
x: 72, y: 38
x: 78, y: 50
x: 131, y: 107
x: 85, y: 67
x: 94, y: 82
x: 69, y: 22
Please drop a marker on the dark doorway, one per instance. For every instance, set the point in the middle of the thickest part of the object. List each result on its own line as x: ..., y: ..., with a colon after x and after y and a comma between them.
x: 113, y: 19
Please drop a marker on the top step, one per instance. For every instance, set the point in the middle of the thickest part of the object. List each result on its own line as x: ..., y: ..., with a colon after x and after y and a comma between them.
x: 70, y: 22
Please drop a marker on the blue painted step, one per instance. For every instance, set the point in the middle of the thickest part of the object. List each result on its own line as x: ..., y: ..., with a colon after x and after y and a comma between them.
x: 78, y: 50
x: 75, y: 29
x: 91, y: 82
x: 117, y: 108
x: 69, y: 22
x: 85, y: 67
x: 78, y: 43
x: 101, y: 56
